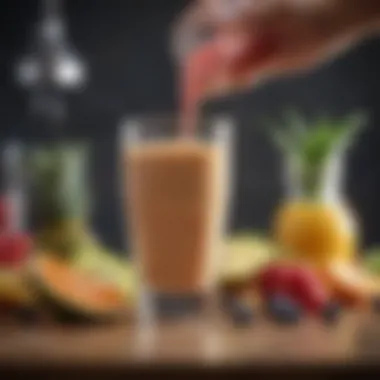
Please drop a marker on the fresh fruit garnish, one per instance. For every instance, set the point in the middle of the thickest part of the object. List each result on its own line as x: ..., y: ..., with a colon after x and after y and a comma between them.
x: 299, y: 282
x: 275, y: 278
x: 246, y: 254
x: 316, y: 224
x: 283, y: 309
x: 331, y: 312
x: 13, y: 290
x: 239, y: 310
x: 350, y: 284
x: 14, y: 248
x: 307, y: 289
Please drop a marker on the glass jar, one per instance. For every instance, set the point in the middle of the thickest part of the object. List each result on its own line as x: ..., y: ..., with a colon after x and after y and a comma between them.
x: 315, y: 221
x: 59, y: 195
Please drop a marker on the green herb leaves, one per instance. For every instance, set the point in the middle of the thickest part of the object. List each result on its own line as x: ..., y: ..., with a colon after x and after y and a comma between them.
x: 311, y: 144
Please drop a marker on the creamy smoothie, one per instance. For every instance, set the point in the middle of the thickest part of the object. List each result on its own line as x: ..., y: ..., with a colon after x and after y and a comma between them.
x: 176, y: 201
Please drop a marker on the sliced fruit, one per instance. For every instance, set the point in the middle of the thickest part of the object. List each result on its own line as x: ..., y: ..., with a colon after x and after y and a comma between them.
x: 73, y: 294
x: 13, y: 289
x: 246, y: 255
x: 350, y: 284
x: 94, y: 258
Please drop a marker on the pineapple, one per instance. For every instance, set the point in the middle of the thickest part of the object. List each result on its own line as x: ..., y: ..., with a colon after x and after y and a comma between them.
x: 59, y: 196
x: 314, y: 222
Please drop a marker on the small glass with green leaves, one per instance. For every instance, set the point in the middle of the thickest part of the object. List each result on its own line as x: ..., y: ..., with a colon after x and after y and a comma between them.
x: 314, y: 221
x: 59, y: 196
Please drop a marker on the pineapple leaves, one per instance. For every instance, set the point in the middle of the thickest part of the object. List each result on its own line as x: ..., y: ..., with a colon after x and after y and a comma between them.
x: 311, y: 144
x: 279, y: 136
x: 59, y: 179
x: 297, y: 124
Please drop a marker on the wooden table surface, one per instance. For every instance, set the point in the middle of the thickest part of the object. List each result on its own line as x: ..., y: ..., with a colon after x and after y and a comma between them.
x: 353, y: 341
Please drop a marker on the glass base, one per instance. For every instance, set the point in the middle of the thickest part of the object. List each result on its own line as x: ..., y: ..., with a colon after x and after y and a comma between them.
x: 168, y: 307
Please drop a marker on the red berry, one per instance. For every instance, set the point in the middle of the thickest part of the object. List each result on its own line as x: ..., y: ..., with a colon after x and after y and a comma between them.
x: 275, y: 279
x: 308, y: 290
x: 14, y: 248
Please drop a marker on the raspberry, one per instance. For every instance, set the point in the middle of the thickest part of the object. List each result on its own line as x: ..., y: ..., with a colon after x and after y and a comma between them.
x: 275, y: 279
x: 14, y: 248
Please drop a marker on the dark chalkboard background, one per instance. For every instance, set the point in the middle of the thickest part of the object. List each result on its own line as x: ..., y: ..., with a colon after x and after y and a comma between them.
x: 125, y: 43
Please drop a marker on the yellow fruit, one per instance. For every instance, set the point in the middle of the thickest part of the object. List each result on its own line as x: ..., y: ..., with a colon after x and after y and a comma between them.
x: 245, y: 254
x: 13, y: 288
x: 316, y: 231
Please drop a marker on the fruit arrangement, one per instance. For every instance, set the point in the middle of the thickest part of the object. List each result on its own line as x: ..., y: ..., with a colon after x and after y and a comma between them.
x: 15, y: 249
x: 59, y: 196
x: 317, y: 270
x: 60, y: 271
x: 314, y: 221
x: 286, y: 290
x: 310, y: 268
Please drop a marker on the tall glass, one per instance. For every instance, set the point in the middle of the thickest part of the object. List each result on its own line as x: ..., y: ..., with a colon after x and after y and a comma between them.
x: 176, y: 191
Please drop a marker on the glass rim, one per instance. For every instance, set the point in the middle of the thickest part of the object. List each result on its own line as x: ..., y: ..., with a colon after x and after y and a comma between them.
x: 172, y: 117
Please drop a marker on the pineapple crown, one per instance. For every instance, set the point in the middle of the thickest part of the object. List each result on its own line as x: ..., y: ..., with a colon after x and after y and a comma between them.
x: 314, y: 140
x: 310, y: 144
x: 60, y: 174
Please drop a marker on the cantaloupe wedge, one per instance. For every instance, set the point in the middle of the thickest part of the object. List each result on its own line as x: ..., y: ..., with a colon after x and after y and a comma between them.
x: 72, y: 294
x: 350, y: 284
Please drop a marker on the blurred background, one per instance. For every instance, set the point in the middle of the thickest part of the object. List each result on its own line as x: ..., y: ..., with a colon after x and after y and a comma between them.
x: 126, y: 45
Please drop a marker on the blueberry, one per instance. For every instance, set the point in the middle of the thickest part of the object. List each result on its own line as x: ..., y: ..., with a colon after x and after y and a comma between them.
x: 283, y: 309
x: 239, y: 311
x: 331, y: 312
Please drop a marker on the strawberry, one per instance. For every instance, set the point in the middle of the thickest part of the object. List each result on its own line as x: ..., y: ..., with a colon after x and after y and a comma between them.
x: 14, y: 248
x: 308, y: 290
x: 274, y: 279
x: 298, y: 283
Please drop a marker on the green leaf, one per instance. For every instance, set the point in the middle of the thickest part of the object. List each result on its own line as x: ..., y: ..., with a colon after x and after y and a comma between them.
x: 313, y: 143
x: 297, y: 124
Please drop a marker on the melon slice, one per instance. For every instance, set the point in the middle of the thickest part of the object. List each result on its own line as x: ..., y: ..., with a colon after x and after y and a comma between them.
x: 73, y: 294
x: 351, y: 284
x: 246, y: 254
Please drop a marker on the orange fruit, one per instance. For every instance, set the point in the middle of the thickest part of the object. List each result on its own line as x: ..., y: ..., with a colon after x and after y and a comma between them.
x: 316, y: 231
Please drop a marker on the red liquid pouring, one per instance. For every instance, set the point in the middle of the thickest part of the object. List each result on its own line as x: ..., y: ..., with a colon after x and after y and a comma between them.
x: 229, y: 60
